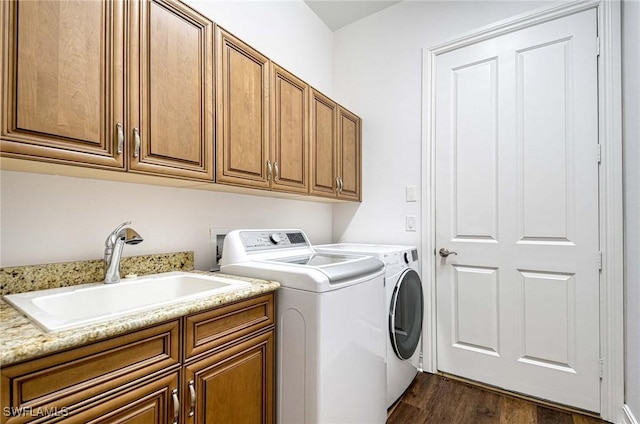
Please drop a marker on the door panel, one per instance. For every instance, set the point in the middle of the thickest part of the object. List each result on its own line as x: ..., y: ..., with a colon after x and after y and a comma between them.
x: 475, y: 309
x: 323, y: 145
x: 64, y: 90
x: 517, y: 200
x: 548, y: 321
x: 290, y: 139
x: 172, y: 77
x: 349, y: 154
x: 474, y: 151
x: 234, y: 385
x: 544, y: 137
x: 243, y: 113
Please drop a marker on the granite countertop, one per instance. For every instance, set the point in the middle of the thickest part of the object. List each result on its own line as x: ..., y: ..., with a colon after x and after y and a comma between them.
x: 21, y: 339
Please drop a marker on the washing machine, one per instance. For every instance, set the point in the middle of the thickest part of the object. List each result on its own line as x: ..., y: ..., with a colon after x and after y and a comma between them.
x: 404, y: 310
x: 330, y: 331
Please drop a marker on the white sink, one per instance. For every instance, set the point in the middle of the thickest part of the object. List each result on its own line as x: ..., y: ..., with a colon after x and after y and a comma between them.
x: 70, y: 307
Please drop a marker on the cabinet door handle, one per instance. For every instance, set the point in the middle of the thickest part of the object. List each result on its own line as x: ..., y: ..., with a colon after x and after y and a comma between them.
x: 337, y: 185
x: 340, y: 185
x: 176, y: 406
x: 192, y: 390
x: 269, y: 169
x: 136, y: 141
x: 277, y: 175
x: 120, y: 135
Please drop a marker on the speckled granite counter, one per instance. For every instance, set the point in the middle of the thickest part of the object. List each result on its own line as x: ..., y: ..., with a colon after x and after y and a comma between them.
x: 20, y: 339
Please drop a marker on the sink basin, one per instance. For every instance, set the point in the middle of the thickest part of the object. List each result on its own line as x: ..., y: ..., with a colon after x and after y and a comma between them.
x: 70, y: 307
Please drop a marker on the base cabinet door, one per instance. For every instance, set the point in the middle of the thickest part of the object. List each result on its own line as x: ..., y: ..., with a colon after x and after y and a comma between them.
x: 234, y: 385
x: 153, y: 402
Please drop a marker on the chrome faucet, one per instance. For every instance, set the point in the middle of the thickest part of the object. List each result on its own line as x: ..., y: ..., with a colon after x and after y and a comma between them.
x: 113, y: 250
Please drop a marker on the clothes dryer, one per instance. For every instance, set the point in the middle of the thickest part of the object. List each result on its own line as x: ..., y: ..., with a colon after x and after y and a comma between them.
x: 404, y: 309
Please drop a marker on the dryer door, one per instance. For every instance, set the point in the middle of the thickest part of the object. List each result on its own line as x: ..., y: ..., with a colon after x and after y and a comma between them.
x: 405, y: 314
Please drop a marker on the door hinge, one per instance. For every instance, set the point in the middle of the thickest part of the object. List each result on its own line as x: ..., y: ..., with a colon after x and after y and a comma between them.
x: 599, y: 152
x: 597, y: 46
x: 600, y: 260
x: 601, y: 368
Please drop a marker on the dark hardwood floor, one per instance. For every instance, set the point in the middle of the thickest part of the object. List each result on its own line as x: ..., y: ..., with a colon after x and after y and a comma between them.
x: 437, y: 399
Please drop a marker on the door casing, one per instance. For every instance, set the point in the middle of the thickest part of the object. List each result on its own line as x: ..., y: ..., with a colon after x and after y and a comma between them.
x: 610, y: 187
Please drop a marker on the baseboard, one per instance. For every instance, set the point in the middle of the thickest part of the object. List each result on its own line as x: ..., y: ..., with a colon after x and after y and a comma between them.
x: 627, y: 416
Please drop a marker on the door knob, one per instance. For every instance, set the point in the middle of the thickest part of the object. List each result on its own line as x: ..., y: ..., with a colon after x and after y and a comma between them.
x: 444, y: 252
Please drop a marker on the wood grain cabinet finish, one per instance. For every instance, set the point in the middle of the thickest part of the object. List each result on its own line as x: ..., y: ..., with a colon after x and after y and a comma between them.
x: 171, y: 89
x: 216, y: 366
x: 152, y: 402
x: 64, y: 93
x: 289, y: 152
x: 242, y: 124
x: 218, y: 327
x: 130, y: 86
x: 323, y: 145
x: 349, y: 155
x: 63, y: 81
x: 229, y: 371
x: 335, y: 150
x: 68, y: 380
x: 234, y: 385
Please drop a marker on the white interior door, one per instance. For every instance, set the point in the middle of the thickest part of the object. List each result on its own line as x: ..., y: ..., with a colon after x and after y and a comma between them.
x: 516, y: 140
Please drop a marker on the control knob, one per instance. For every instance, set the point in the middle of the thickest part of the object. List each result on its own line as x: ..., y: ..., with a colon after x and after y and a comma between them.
x: 275, y: 238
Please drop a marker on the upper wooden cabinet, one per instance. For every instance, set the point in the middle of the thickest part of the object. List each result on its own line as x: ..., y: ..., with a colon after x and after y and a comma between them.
x: 242, y: 125
x: 335, y: 150
x: 262, y: 120
x: 289, y: 153
x: 64, y: 86
x: 171, y: 90
x: 62, y: 81
x: 130, y: 86
x: 349, y: 155
x: 323, y: 145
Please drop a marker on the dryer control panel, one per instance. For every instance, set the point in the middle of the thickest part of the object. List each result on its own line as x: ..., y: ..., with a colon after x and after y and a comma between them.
x: 265, y: 240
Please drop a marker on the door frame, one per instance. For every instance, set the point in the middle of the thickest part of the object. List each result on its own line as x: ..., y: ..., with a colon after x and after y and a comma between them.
x: 610, y: 187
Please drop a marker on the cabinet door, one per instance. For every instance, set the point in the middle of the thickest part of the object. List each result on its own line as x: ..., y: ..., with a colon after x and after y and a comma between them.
x: 242, y: 128
x: 62, y: 84
x: 153, y: 402
x: 68, y: 380
x: 234, y: 385
x: 323, y: 145
x: 349, y: 154
x: 290, y: 132
x: 171, y: 90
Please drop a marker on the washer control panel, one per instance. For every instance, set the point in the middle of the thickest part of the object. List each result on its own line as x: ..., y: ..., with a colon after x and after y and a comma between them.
x: 265, y: 240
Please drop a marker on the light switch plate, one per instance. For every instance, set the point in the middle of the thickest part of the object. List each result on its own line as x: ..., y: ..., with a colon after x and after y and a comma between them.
x: 411, y: 223
x: 411, y: 193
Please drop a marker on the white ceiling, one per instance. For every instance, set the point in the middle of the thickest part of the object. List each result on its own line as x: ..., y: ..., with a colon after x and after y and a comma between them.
x: 338, y: 13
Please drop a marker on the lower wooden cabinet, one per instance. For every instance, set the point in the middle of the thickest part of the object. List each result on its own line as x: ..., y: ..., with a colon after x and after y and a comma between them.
x: 149, y: 403
x: 234, y: 385
x: 154, y: 375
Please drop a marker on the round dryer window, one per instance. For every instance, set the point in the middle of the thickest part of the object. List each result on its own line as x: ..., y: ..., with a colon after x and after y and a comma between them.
x: 405, y: 314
